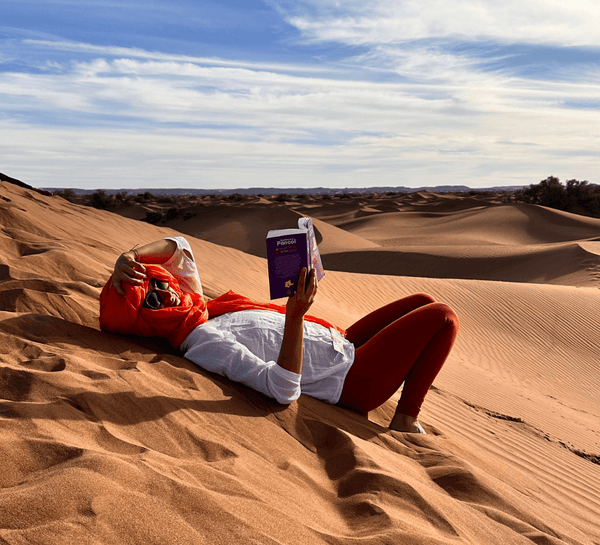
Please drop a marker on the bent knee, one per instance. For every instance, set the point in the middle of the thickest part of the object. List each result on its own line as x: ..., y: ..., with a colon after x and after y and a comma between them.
x: 443, y: 314
x: 450, y: 317
x: 423, y: 299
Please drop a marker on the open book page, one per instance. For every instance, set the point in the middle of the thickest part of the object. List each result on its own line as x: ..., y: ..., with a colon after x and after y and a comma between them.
x: 315, y: 257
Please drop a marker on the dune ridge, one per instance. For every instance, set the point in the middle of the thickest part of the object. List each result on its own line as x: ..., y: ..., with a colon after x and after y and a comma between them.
x: 110, y: 439
x: 423, y: 235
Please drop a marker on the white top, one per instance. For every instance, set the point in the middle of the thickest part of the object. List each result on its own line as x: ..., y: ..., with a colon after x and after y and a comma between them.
x: 183, y: 266
x: 244, y: 346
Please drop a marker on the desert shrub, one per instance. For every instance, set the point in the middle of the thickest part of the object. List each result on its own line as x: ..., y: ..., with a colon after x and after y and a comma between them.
x: 549, y: 192
x: 577, y: 197
x: 237, y: 197
x: 67, y: 194
x: 122, y: 198
x: 583, y: 196
x: 165, y: 199
x: 100, y: 199
x: 153, y: 216
x: 144, y: 197
x: 282, y: 197
x: 479, y: 193
x: 172, y: 213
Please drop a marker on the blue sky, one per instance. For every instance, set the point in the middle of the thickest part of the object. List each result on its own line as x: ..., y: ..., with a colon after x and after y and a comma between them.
x: 303, y: 93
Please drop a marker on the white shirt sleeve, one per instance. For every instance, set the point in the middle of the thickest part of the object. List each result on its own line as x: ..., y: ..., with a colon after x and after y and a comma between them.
x: 218, y: 351
x: 183, y: 266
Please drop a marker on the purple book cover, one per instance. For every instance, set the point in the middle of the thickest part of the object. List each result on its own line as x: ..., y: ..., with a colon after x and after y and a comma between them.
x: 286, y: 255
x: 288, y: 250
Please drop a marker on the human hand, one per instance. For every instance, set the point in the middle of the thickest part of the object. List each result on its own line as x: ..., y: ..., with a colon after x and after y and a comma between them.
x: 299, y: 303
x: 127, y: 269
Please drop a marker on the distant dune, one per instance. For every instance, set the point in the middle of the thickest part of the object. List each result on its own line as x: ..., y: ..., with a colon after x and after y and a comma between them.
x: 421, y: 234
x: 113, y: 440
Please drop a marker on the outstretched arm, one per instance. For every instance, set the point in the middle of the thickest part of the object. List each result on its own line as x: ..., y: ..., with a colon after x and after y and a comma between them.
x: 290, y: 355
x: 129, y: 266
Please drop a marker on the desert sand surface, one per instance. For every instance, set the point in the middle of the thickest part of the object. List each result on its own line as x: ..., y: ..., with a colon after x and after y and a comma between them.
x: 118, y: 440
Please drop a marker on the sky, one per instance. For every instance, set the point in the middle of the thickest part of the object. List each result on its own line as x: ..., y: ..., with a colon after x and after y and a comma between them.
x: 299, y: 93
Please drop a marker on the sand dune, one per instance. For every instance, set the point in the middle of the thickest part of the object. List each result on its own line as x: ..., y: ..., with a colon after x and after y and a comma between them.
x: 424, y: 234
x: 511, y: 224
x: 108, y: 439
x: 244, y: 227
x: 571, y: 264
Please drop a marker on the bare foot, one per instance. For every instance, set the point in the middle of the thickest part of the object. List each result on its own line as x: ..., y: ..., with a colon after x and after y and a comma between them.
x: 406, y: 424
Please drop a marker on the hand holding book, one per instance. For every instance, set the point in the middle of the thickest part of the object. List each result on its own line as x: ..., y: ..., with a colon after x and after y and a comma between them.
x: 288, y: 251
x: 299, y: 303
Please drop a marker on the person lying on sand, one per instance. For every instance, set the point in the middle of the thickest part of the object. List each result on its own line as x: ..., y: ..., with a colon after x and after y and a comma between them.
x: 282, y: 351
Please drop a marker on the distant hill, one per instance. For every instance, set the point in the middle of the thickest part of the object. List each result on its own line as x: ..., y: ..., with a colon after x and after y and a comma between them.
x: 172, y: 191
x: 186, y: 191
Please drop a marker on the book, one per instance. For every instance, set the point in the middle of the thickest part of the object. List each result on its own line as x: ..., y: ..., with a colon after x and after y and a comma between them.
x: 288, y: 251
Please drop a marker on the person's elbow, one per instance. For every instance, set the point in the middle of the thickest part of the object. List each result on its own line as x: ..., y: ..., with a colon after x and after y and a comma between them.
x: 283, y: 385
x: 286, y: 397
x: 284, y: 391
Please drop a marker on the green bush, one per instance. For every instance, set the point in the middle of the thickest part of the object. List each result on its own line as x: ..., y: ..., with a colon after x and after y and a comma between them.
x: 172, y: 213
x: 577, y: 197
x: 144, y: 197
x: 153, y: 216
x: 67, y: 194
x: 122, y: 198
x: 100, y: 199
x: 237, y: 197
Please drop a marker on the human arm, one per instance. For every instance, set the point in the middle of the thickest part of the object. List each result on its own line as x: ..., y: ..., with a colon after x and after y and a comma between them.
x: 129, y: 266
x: 290, y: 354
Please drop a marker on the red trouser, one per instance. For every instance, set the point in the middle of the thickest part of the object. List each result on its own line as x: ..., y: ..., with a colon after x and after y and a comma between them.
x: 407, y: 342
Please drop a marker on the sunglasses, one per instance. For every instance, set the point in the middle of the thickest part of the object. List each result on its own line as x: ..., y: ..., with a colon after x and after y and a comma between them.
x: 153, y: 298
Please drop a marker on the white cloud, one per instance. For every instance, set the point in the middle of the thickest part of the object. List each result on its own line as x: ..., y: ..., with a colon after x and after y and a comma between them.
x: 244, y: 124
x: 133, y: 53
x: 556, y: 22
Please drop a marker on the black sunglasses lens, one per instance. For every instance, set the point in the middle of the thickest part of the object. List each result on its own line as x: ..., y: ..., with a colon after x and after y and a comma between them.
x: 153, y: 300
x: 160, y: 284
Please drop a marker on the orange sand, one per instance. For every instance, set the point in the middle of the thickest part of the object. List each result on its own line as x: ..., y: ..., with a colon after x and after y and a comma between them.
x: 112, y: 440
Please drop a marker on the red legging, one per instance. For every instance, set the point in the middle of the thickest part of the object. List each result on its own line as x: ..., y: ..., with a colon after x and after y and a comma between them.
x: 407, y: 342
